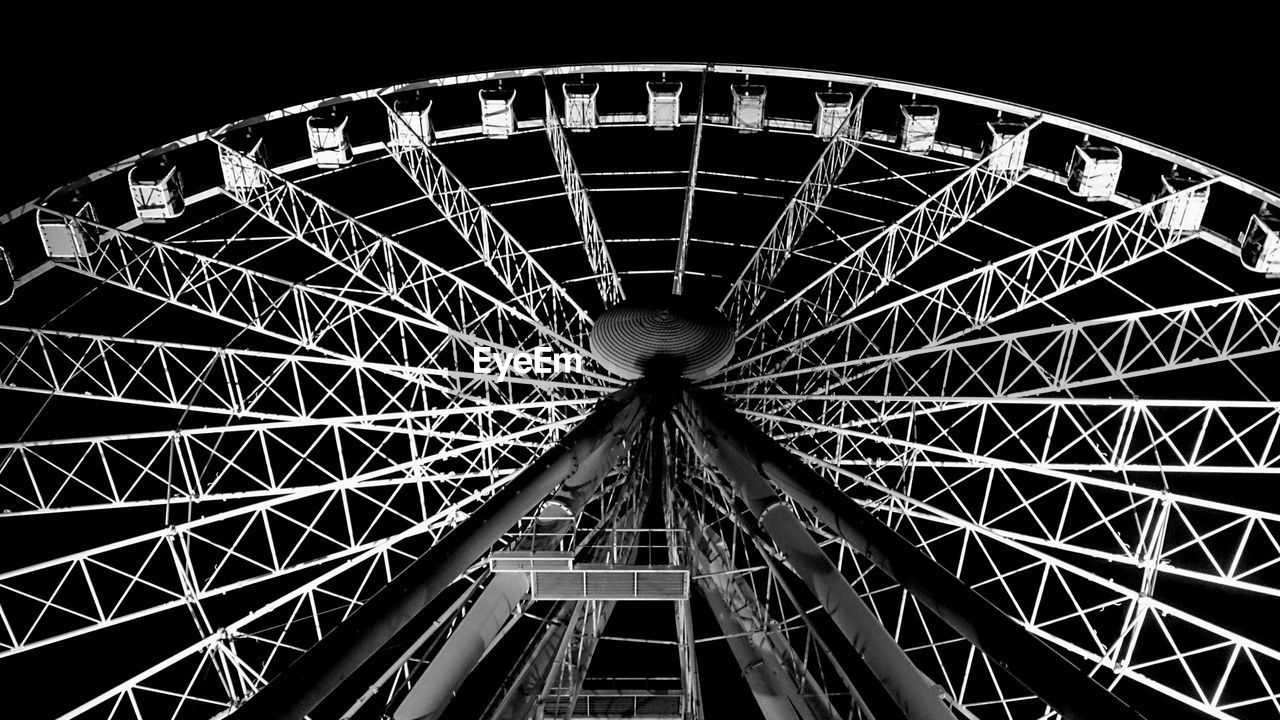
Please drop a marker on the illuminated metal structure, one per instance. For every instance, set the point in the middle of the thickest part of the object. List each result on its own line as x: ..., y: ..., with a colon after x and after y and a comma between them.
x: 963, y: 410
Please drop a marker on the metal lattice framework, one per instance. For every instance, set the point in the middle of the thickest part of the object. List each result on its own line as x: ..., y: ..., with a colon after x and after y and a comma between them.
x: 242, y: 421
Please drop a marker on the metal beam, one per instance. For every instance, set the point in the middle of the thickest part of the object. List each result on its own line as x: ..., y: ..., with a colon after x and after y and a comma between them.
x: 866, y: 693
x: 395, y: 674
x: 607, y: 280
x: 465, y: 314
x: 213, y: 464
x: 98, y: 599
x: 1046, y: 673
x: 534, y: 655
x: 576, y: 621
x: 538, y: 298
x: 680, y: 553
x: 1071, y: 434
x: 777, y: 676
x: 974, y: 300
x: 1071, y: 355
x: 467, y: 644
x: 686, y: 217
x: 724, y: 448
x: 541, y: 656
x: 484, y: 621
x: 240, y: 383
x: 591, y: 446
x: 878, y: 262
x: 563, y: 684
x: 747, y: 291
x: 274, y: 307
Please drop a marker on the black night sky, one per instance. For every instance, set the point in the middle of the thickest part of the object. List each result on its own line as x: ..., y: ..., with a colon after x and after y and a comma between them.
x: 85, y: 88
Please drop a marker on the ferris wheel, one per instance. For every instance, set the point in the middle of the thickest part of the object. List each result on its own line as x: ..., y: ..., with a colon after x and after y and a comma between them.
x: 661, y: 391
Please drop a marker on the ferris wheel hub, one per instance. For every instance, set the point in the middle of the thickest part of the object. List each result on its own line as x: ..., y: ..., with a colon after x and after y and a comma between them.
x: 670, y: 334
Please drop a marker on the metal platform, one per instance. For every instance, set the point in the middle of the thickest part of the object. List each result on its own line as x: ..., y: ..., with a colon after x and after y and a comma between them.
x: 610, y: 582
x: 593, y: 704
x: 530, y: 561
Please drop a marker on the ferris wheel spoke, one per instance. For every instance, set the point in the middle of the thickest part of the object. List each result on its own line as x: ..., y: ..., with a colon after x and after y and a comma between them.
x: 133, y: 577
x: 240, y: 383
x: 1075, y: 608
x: 543, y: 301
x: 849, y: 284
x: 690, y: 190
x: 1045, y: 440
x: 747, y: 291
x: 161, y: 597
x: 938, y: 650
x: 1172, y: 538
x: 273, y: 240
x: 332, y: 325
x: 922, y: 637
x: 244, y: 245
x: 749, y: 602
x: 311, y: 319
x: 1074, y: 434
x: 949, y: 166
x: 213, y: 464
x: 1127, y: 634
x: 238, y: 462
x: 1064, y: 357
x: 250, y: 383
x: 845, y: 243
x: 265, y: 639
x: 957, y: 307
x: 1028, y: 501
x: 608, y: 282
x: 444, y: 300
x: 970, y: 678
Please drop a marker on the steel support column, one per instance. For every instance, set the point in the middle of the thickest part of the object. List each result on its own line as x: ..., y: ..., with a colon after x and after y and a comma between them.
x: 865, y: 691
x: 1039, y: 668
x: 591, y: 447
x: 911, y: 691
x: 544, y: 652
x: 782, y: 686
x: 468, y: 643
x: 483, y: 624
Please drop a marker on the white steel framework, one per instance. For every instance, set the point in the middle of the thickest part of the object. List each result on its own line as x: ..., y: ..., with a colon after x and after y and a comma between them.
x: 227, y: 429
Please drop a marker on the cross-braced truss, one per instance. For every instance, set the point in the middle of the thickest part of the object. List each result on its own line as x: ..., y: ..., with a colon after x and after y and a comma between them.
x: 226, y: 434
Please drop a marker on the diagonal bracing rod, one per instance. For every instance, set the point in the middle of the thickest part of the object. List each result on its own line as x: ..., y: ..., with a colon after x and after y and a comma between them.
x: 539, y: 667
x: 597, y: 249
x: 595, y: 444
x: 535, y: 292
x: 481, y: 626
x: 781, y: 684
x: 716, y: 444
x: 748, y: 290
x: 682, y: 252
x: 866, y: 693
x: 1057, y: 681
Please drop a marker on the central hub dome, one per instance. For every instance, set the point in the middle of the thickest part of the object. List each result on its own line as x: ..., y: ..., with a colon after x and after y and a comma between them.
x: 670, y: 335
